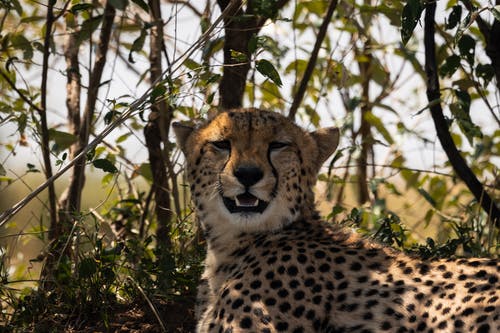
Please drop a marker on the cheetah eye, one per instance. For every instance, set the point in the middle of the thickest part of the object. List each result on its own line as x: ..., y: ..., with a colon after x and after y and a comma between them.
x: 222, y: 144
x: 275, y: 145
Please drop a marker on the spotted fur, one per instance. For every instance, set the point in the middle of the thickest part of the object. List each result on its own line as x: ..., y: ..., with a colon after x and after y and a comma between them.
x: 273, y: 266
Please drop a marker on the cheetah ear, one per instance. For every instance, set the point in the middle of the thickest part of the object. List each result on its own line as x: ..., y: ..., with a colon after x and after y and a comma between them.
x: 327, y: 140
x: 182, y: 132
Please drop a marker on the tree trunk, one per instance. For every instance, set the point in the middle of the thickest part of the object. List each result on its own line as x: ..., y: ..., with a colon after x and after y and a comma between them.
x: 240, y: 26
x: 156, y: 134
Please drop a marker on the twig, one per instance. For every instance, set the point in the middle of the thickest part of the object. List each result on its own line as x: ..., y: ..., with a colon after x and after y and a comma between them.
x: 151, y: 305
x: 433, y: 93
x: 299, y: 96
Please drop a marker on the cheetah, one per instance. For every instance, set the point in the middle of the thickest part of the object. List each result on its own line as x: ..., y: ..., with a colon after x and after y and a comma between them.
x: 273, y: 265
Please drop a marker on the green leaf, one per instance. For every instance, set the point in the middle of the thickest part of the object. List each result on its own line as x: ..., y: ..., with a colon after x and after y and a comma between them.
x: 467, y: 46
x: 141, y: 4
x: 80, y: 7
x: 145, y: 171
x: 461, y: 113
x: 496, y: 12
x: 379, y: 125
x: 238, y: 56
x: 192, y: 65
x: 105, y: 165
x: 2, y: 170
x: 265, y: 8
x: 450, y: 65
x: 454, y: 17
x: 123, y: 137
x: 158, y: 91
x: 137, y: 45
x: 409, y: 18
x: 119, y: 4
x: 87, y: 268
x: 62, y: 140
x: 267, y: 69
x: 427, y: 197
x: 88, y: 27
x: 17, y: 6
x: 485, y: 72
x: 20, y: 42
x: 31, y: 168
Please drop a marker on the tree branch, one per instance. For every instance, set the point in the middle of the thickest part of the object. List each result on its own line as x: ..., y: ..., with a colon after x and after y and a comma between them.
x: 433, y: 94
x: 299, y: 96
x: 43, y: 114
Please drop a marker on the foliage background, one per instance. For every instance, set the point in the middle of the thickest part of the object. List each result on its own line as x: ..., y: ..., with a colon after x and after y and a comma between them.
x: 115, y: 237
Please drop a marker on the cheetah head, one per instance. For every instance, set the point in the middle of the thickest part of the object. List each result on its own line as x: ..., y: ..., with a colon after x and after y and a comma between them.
x: 251, y: 169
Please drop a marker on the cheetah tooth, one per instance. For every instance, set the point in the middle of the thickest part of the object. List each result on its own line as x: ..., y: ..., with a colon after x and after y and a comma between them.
x: 246, y: 204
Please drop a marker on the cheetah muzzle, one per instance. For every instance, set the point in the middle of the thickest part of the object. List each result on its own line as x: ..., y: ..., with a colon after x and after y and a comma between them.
x: 273, y: 265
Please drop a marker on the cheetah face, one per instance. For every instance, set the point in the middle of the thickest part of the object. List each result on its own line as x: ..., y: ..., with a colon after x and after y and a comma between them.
x: 251, y: 169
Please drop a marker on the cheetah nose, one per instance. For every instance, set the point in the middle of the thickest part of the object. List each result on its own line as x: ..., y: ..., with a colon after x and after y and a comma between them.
x: 248, y: 175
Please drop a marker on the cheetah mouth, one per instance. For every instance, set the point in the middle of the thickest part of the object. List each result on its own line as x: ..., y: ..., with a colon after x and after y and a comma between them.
x: 245, y: 202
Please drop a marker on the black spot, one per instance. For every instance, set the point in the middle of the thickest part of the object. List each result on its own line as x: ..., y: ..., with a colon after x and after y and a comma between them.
x: 237, y: 303
x: 485, y: 328
x: 298, y: 311
x: 255, y: 284
x: 421, y: 326
x: 356, y: 266
x: 343, y: 285
x: 386, y: 326
x: 292, y: 271
x: 467, y: 312
x: 276, y: 284
x: 319, y: 254
x: 424, y: 269
x: 324, y: 268
x: 302, y: 258
x: 339, y: 260
x: 281, y: 326
x: 458, y: 323
x: 285, y: 307
x: 246, y: 322
x: 270, y: 301
x: 283, y: 293
x: 298, y: 295
x: 310, y: 314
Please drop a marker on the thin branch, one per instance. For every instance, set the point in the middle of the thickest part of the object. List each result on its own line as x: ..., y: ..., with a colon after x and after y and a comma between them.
x: 299, y: 96
x: 433, y: 94
x: 43, y: 114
